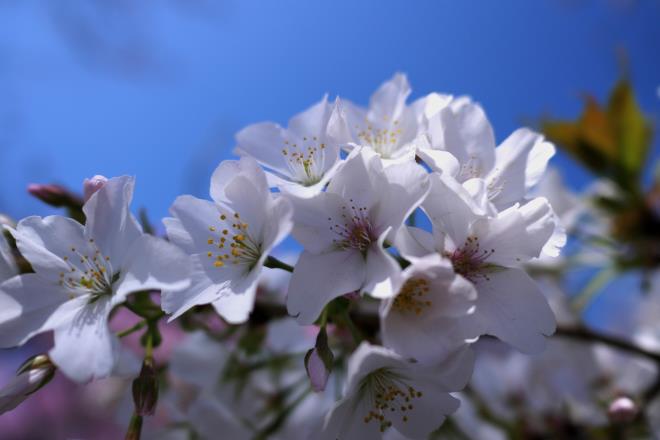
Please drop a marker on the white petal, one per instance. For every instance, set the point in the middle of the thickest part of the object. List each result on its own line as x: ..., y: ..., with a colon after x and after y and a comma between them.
x: 313, y: 219
x: 507, y: 238
x: 451, y: 208
x: 228, y: 170
x: 249, y: 201
x: 318, y: 279
x: 440, y: 160
x: 28, y: 305
x: 178, y: 235
x: 383, y: 273
x: 407, y: 185
x: 541, y: 224
x: 235, y: 308
x: 520, y: 162
x: 462, y: 128
x: 109, y: 220
x: 278, y: 224
x: 153, y: 264
x: 45, y: 242
x: 360, y: 178
x: 428, y: 411
x: 346, y: 421
x: 202, y: 290
x: 511, y: 307
x: 86, y: 349
x: 264, y: 142
x: 390, y: 99
x: 414, y: 242
x: 195, y: 217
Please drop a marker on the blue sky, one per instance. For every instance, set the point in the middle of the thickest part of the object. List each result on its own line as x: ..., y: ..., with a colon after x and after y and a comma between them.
x: 159, y: 91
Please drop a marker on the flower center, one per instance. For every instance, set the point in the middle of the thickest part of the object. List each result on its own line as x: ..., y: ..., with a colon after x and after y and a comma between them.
x: 470, y: 260
x: 389, y: 396
x: 383, y: 140
x: 306, y: 162
x: 470, y: 169
x: 231, y: 243
x: 354, y: 230
x: 89, y: 273
x: 412, y: 297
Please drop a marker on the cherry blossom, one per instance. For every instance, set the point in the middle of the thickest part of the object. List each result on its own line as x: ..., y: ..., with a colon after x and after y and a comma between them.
x: 228, y: 239
x: 81, y: 274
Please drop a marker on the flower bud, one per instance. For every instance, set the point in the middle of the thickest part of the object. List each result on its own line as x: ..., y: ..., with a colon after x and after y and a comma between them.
x: 54, y: 195
x: 622, y: 410
x: 316, y: 370
x: 318, y: 362
x: 33, y: 374
x: 90, y: 186
x: 145, y: 389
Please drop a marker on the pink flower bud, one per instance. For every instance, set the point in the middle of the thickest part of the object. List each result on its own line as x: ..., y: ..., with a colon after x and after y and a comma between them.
x: 54, y: 195
x: 622, y: 410
x: 90, y: 186
x: 317, y: 371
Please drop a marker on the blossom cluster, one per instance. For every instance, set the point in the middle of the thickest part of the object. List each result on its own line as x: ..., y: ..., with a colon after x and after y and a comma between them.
x: 405, y: 210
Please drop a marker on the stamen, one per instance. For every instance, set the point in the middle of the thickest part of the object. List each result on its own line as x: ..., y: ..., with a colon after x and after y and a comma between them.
x: 412, y: 297
x: 469, y: 260
x: 388, y: 394
x: 355, y: 230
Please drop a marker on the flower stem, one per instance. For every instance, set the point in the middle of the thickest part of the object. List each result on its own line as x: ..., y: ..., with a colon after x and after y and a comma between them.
x: 274, y: 263
x: 132, y: 329
x: 589, y: 336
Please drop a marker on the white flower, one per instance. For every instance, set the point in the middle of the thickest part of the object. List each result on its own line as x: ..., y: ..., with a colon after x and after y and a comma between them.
x: 388, y: 126
x: 303, y: 157
x: 343, y: 230
x: 459, y: 126
x: 81, y: 273
x: 424, y: 320
x: 385, y: 391
x: 7, y: 263
x: 488, y: 251
x: 228, y: 238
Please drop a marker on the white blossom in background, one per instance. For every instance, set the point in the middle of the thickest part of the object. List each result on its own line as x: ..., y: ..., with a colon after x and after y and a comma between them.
x: 228, y: 239
x: 385, y: 391
x: 425, y: 319
x: 301, y: 158
x: 343, y: 230
x: 81, y: 273
x: 388, y: 126
x: 460, y: 127
x: 489, y: 252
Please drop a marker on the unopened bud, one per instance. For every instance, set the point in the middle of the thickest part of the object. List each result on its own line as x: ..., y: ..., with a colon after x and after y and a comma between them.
x: 316, y: 370
x: 145, y: 390
x: 318, y: 361
x: 622, y: 410
x: 54, y: 195
x: 31, y: 376
x: 90, y: 186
